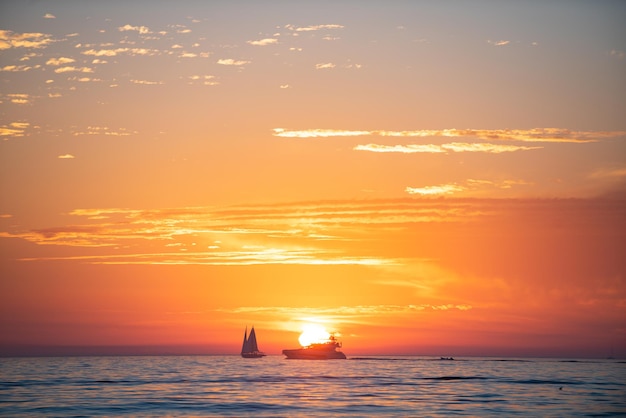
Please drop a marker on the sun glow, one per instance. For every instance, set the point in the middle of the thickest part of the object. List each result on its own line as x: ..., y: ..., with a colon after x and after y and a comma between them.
x: 313, y: 333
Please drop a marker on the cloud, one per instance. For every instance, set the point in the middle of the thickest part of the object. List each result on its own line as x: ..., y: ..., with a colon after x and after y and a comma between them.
x: 353, y: 313
x: 313, y: 28
x: 14, y: 129
x: 312, y: 233
x: 9, y: 39
x: 146, y: 82
x: 616, y: 172
x: 324, y: 66
x: 207, y: 80
x: 230, y: 61
x: 470, y: 185
x: 59, y: 61
x: 441, y: 189
x: 406, y: 149
x: 498, y: 43
x: 49, y: 16
x: 141, y: 29
x: 66, y: 156
x: 19, y: 98
x: 443, y: 148
x: 316, y: 133
x: 263, y: 42
x: 19, y: 68
x: 70, y: 69
x: 103, y: 130
x: 105, y: 52
x: 521, y: 135
x: 619, y: 54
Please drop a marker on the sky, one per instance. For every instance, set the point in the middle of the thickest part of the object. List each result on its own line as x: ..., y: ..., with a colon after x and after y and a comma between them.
x: 418, y: 177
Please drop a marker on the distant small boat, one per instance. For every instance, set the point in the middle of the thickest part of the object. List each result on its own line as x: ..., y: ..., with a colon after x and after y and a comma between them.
x: 326, y: 350
x: 250, y: 348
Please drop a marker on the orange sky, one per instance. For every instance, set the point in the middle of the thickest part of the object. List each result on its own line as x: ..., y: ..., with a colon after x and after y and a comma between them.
x: 421, y: 178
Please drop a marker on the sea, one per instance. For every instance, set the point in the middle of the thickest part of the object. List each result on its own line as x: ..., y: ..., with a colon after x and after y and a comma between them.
x: 150, y: 386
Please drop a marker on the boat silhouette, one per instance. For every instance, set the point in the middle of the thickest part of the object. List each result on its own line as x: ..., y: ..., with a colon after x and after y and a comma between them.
x: 326, y: 350
x: 250, y: 348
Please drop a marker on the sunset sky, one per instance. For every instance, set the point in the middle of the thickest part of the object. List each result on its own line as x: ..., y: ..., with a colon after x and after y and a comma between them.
x: 420, y: 177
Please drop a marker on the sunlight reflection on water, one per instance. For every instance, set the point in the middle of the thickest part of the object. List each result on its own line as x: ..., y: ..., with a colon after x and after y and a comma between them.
x: 273, y: 386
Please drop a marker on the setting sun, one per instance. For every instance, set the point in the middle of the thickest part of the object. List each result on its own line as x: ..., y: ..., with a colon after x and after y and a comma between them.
x: 313, y: 333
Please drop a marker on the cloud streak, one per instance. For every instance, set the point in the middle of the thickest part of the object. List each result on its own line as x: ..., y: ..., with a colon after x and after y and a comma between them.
x: 559, y: 135
x: 444, y: 148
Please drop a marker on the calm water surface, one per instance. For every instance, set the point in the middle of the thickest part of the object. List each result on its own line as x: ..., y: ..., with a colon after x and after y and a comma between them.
x: 273, y: 386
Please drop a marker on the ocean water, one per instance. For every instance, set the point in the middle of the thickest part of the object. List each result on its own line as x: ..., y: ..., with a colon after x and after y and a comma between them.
x: 274, y: 386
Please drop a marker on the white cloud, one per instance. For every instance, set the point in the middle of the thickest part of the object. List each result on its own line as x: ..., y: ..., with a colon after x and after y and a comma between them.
x: 73, y: 69
x: 230, y: 61
x: 264, y: 42
x: 324, y: 66
x: 435, y: 190
x: 313, y: 28
x: 49, y: 16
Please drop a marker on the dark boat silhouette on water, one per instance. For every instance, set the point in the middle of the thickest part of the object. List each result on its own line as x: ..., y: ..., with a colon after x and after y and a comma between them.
x: 250, y: 348
x: 326, y: 350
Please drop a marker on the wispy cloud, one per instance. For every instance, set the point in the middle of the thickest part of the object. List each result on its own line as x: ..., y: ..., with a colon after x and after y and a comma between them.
x: 9, y: 39
x: 146, y: 82
x: 443, y: 148
x: 105, y: 52
x: 441, y: 189
x: 298, y: 233
x: 14, y: 129
x: 342, y: 314
x: 141, y: 29
x: 207, y: 80
x: 230, y: 61
x: 70, y: 69
x: 264, y: 42
x: 313, y: 27
x: 614, y: 172
x: 66, y: 157
x: 317, y: 133
x: 19, y: 98
x: 59, y: 61
x: 19, y: 68
x: 103, y: 130
x: 324, y: 66
x: 521, y: 135
x: 468, y: 185
x: 498, y: 43
x: 49, y: 16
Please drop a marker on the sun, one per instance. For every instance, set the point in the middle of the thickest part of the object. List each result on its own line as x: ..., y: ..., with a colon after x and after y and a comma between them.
x: 313, y: 333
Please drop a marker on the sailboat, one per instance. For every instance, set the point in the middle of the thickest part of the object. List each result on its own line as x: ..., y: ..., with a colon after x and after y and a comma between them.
x: 250, y: 348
